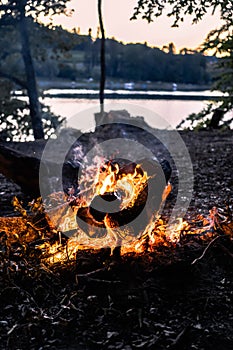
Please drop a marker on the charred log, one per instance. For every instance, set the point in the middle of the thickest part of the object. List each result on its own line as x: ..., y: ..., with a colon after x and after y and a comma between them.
x: 22, y: 169
x: 107, y: 207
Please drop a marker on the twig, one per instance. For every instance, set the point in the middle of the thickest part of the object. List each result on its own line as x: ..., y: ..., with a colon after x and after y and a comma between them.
x: 67, y: 252
x: 27, y: 293
x: 34, y: 228
x: 87, y: 277
x: 140, y: 317
x: 205, y: 250
x: 12, y: 329
x: 92, y: 272
x: 98, y: 280
x: 179, y: 338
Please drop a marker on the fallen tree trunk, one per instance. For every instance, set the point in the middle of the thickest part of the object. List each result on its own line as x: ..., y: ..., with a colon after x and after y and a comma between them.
x: 22, y: 162
x: 23, y: 168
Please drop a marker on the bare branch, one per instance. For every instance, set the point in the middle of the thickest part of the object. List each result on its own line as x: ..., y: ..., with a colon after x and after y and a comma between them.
x: 14, y: 79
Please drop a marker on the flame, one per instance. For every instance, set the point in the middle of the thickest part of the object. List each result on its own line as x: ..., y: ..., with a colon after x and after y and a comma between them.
x: 110, y: 179
x: 99, y: 179
x: 106, y: 178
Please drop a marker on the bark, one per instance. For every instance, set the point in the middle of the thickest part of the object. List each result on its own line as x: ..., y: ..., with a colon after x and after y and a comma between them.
x: 102, y: 58
x: 22, y: 169
x: 24, y: 166
x: 34, y: 104
x: 216, y: 118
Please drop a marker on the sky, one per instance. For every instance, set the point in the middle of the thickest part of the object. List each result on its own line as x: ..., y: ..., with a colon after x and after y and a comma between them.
x: 117, y: 24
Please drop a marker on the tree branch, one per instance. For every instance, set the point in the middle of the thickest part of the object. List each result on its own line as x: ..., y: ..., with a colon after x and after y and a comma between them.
x: 14, y: 79
x: 8, y: 7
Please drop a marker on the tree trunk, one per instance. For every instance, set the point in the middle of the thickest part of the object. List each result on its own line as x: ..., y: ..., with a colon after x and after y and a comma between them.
x: 102, y: 58
x: 216, y: 118
x: 34, y: 104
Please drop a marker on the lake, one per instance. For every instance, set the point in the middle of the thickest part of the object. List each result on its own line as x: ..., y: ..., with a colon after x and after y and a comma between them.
x: 80, y: 111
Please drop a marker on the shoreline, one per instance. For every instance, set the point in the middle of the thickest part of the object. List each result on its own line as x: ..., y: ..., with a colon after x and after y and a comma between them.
x: 125, y: 94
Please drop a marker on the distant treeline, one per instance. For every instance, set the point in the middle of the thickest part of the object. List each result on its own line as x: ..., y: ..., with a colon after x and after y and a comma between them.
x: 141, y: 62
x: 61, y: 54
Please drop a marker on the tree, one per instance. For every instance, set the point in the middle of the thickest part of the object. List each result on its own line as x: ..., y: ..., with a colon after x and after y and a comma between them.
x: 221, y: 40
x: 102, y: 57
x: 15, y: 121
x: 170, y: 48
x: 16, y: 13
x: 148, y: 9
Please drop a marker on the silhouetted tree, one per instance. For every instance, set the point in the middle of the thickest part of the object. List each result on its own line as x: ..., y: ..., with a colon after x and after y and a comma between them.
x: 102, y: 57
x: 221, y: 40
x: 15, y: 13
x: 150, y: 9
x: 90, y: 32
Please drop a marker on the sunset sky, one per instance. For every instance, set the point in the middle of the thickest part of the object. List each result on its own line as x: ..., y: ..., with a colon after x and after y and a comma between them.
x: 117, y: 15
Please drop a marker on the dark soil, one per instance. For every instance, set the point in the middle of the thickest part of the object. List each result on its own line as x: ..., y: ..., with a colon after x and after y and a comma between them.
x: 155, y: 300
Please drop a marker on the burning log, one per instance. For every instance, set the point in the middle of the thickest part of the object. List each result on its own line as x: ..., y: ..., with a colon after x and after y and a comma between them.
x: 107, y: 209
x: 128, y: 201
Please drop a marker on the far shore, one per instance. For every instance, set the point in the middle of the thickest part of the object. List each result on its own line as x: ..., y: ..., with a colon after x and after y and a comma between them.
x: 91, y: 83
x: 89, y: 89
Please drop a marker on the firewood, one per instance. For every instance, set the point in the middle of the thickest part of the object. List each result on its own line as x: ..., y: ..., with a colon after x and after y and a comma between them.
x: 108, y: 205
x: 22, y: 169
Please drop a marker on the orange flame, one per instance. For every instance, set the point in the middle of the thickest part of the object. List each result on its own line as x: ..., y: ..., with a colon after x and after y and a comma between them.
x: 106, y: 177
x: 110, y: 179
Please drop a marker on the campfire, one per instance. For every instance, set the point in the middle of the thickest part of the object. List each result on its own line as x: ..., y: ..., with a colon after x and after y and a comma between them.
x: 112, y: 195
x: 103, y: 264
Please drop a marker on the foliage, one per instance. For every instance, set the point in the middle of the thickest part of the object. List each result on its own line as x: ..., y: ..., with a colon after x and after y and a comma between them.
x: 40, y: 37
x: 220, y: 40
x: 58, y: 53
x: 143, y: 63
x: 15, y: 121
x: 11, y: 9
x: 148, y: 9
x: 139, y: 62
x: 51, y: 49
x: 15, y: 13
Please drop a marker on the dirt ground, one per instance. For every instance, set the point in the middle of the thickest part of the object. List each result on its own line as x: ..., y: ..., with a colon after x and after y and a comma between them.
x: 156, y: 300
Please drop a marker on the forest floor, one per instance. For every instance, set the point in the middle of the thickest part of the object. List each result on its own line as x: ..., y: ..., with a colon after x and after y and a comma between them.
x: 155, y: 300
